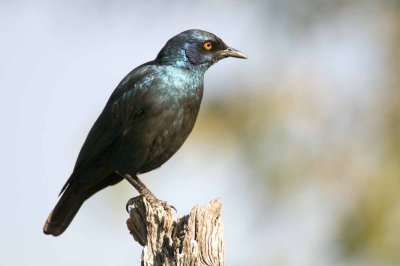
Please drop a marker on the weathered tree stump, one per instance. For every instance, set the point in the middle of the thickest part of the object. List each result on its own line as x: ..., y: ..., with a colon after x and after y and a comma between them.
x: 194, y: 239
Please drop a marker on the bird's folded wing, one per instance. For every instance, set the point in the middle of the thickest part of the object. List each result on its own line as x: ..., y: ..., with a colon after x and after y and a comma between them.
x: 125, y: 101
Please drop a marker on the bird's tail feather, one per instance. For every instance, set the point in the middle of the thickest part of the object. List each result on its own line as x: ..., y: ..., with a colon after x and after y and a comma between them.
x: 65, y: 210
x: 73, y: 196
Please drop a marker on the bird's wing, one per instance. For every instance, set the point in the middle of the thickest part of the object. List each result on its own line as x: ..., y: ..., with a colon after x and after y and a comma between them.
x: 121, y: 107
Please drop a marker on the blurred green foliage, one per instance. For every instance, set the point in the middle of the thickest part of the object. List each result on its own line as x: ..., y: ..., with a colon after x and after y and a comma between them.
x: 372, y: 226
x: 289, y: 133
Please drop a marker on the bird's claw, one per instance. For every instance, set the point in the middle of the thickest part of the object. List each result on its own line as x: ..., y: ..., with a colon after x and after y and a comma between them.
x: 173, y: 208
x: 167, y: 206
x: 155, y: 201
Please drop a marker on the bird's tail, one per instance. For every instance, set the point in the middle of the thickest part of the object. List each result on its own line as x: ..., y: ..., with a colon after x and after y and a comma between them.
x: 65, y: 210
x: 73, y: 196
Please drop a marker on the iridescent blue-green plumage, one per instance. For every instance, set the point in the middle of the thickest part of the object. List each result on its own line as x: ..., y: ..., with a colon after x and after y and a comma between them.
x: 146, y: 120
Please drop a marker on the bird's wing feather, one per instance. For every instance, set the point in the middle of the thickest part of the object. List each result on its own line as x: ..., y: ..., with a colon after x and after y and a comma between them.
x: 125, y: 100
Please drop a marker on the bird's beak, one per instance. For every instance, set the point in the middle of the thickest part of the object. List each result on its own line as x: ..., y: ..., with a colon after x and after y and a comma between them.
x: 230, y: 52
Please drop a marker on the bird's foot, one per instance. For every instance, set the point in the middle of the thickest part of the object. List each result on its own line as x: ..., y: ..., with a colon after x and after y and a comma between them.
x: 157, y: 202
x: 150, y: 199
x: 145, y: 193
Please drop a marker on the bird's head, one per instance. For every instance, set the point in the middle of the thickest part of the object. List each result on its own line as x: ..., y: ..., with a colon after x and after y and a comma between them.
x: 196, y: 49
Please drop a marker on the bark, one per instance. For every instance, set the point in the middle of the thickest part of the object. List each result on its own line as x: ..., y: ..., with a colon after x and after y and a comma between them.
x: 194, y: 239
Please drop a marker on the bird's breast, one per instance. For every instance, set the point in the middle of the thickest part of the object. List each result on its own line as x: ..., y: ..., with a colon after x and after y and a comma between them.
x: 179, y: 107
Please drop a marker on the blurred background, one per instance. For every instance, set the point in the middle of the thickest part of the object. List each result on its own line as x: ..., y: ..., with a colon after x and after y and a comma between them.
x: 301, y: 141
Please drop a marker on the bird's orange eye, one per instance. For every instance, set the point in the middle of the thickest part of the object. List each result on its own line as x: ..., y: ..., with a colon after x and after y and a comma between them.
x: 207, y: 46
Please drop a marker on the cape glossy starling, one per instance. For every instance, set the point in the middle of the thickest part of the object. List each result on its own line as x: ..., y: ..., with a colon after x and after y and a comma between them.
x: 146, y: 120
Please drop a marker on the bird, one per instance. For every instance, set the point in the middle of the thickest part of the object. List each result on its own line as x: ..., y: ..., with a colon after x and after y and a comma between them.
x: 146, y: 120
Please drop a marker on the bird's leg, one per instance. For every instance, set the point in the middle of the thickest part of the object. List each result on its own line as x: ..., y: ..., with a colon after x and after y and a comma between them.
x: 143, y: 190
x: 138, y: 184
x: 140, y: 187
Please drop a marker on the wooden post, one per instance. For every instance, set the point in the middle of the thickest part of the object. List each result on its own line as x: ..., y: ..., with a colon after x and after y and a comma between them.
x: 195, y: 239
